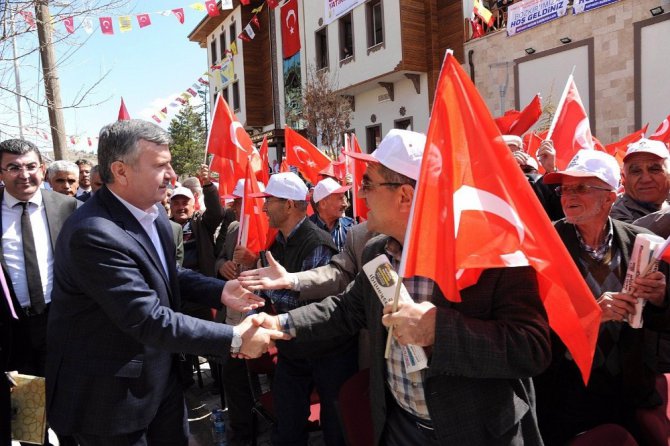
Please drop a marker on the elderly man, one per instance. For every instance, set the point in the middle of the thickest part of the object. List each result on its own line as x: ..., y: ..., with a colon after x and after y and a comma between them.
x: 63, y: 177
x: 114, y: 327
x: 646, y: 179
x: 476, y: 388
x: 621, y: 378
x: 331, y: 203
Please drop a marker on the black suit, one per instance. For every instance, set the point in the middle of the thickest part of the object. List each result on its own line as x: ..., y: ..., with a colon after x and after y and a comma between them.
x: 113, y: 333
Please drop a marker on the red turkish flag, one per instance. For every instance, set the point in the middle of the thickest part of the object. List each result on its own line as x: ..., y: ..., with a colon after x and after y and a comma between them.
x: 228, y: 139
x: 143, y: 20
x: 662, y: 133
x: 273, y: 3
x: 264, y: 174
x: 505, y: 121
x: 473, y: 209
x: 227, y: 177
x: 254, y: 224
x: 357, y: 169
x: 290, y: 31
x: 106, y: 25
x: 284, y: 167
x: 570, y: 128
x: 302, y: 154
x: 179, y: 13
x: 622, y: 145
x: 69, y: 24
x: 527, y: 117
x: 123, y: 112
x: 212, y: 8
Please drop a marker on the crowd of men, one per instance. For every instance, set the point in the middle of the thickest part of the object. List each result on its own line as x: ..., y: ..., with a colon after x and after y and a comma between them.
x: 111, y: 278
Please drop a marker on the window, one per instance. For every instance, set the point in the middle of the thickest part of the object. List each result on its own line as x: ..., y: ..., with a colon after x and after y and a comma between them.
x: 321, y: 49
x: 213, y: 51
x: 224, y: 93
x: 373, y: 136
x: 375, y: 23
x: 236, y: 97
x: 346, y: 37
x: 404, y: 124
x: 222, y: 44
x: 233, y: 32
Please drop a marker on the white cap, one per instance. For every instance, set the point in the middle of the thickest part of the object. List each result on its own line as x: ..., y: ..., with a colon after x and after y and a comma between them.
x: 589, y: 163
x: 181, y: 190
x: 645, y: 145
x: 238, y: 190
x: 326, y: 187
x: 285, y: 185
x: 513, y: 139
x: 400, y: 150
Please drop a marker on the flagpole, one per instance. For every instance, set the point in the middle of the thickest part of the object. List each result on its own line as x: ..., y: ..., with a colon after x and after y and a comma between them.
x: 396, y: 298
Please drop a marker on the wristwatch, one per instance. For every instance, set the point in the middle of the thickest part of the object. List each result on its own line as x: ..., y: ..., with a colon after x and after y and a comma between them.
x: 236, y: 343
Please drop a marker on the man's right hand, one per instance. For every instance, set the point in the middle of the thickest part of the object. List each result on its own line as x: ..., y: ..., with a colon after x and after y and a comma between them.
x: 546, y: 155
x: 256, y: 337
x: 229, y: 270
x: 272, y: 277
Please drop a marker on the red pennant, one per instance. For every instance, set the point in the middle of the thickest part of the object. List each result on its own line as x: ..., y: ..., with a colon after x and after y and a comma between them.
x: 264, y: 175
x: 571, y: 131
x: 227, y: 178
x: 357, y: 170
x: 179, y: 13
x: 473, y: 210
x: 290, y: 31
x: 254, y: 21
x: 284, y: 167
x: 90, y: 143
x: 28, y: 17
x: 662, y: 133
x: 528, y: 117
x: 192, y: 92
x: 72, y: 141
x: 106, y: 25
x: 156, y: 118
x: 143, y: 20
x: 69, y: 24
x: 212, y: 8
x: 272, y: 4
x: 477, y: 28
x: 243, y: 36
x: 304, y: 155
x: 123, y: 112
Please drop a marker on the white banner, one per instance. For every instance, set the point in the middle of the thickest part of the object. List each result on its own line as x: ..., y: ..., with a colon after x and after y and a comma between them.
x: 528, y: 14
x: 580, y: 6
x: 337, y: 8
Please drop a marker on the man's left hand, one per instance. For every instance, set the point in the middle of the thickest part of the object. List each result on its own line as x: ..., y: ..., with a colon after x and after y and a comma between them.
x: 239, y: 299
x: 244, y: 256
x: 413, y: 323
x: 650, y: 287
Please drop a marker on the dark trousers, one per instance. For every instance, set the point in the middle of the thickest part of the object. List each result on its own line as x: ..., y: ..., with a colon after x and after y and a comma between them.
x: 5, y: 412
x: 293, y: 383
x: 168, y: 428
x: 238, y: 398
x: 402, y: 428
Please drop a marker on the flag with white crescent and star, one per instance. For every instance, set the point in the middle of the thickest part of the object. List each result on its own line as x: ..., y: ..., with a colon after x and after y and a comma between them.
x: 290, y: 32
x: 304, y: 155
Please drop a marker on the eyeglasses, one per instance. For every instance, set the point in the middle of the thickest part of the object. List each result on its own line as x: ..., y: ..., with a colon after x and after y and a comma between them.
x: 580, y: 189
x: 14, y: 169
x: 367, y: 186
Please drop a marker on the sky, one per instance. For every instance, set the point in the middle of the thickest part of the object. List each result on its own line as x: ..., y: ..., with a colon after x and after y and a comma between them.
x: 148, y: 67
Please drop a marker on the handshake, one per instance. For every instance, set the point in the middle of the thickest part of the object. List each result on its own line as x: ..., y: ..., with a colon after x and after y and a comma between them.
x: 258, y: 333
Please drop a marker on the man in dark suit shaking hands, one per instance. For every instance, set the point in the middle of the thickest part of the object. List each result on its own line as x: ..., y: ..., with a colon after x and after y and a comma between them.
x: 114, y: 334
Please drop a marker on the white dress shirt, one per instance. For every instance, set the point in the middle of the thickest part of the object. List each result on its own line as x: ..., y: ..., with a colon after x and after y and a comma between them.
x: 147, y: 221
x: 12, y: 246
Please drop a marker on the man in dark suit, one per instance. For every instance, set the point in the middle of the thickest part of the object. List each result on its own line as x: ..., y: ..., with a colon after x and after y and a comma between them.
x: 114, y: 333
x: 29, y: 264
x: 476, y: 388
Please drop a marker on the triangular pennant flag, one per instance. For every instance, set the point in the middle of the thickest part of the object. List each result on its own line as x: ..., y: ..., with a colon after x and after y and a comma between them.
x: 233, y: 48
x: 123, y: 112
x: 179, y: 13
x: 258, y: 9
x: 156, y: 118
x: 87, y: 24
x: 69, y: 24
x: 473, y: 209
x: 304, y: 155
x: 192, y: 92
x: 273, y: 3
x: 90, y: 143
x: 28, y: 17
x: 106, y: 25
x: 243, y: 36
x: 197, y: 6
x: 125, y: 23
x: 254, y: 21
x: 212, y: 8
x: 143, y: 20
x: 250, y: 31
x: 226, y: 4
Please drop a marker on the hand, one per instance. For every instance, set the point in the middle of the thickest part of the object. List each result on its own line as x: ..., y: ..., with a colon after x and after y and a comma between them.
x: 348, y: 179
x: 521, y: 158
x: 203, y: 175
x: 616, y: 306
x: 255, y: 339
x: 272, y: 277
x: 237, y: 298
x: 265, y: 320
x: 546, y: 155
x: 244, y: 256
x: 650, y: 287
x: 413, y: 323
x: 229, y: 270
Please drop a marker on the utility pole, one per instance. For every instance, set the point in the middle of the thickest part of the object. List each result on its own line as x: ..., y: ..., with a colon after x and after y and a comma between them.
x: 51, y: 83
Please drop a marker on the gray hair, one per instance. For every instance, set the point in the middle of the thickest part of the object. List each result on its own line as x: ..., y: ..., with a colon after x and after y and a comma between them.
x: 193, y: 184
x: 63, y: 166
x: 118, y: 142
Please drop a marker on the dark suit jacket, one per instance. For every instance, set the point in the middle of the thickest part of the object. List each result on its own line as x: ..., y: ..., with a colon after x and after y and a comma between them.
x: 113, y: 333
x: 478, y: 387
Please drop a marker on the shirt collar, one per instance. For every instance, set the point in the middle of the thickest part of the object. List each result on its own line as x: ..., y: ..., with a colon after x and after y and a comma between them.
x: 394, y: 249
x: 598, y: 252
x: 280, y: 236
x: 138, y: 213
x: 13, y: 201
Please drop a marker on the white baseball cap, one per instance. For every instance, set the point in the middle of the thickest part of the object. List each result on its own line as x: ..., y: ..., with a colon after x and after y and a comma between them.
x: 285, y: 185
x: 513, y: 139
x: 238, y: 190
x: 400, y: 150
x: 185, y: 191
x: 645, y: 145
x: 589, y: 163
x: 326, y: 187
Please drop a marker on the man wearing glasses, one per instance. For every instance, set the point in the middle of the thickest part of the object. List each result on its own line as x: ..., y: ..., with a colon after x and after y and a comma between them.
x: 31, y: 221
x: 621, y: 378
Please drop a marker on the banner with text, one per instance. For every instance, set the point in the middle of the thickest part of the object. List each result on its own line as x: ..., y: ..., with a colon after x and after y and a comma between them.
x: 337, y: 8
x: 528, y: 14
x: 580, y: 6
